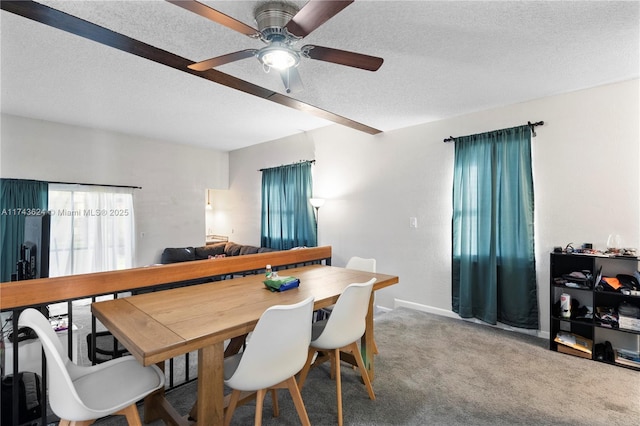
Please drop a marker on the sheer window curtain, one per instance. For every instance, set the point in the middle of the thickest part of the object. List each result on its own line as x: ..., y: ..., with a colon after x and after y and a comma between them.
x: 287, y: 220
x: 92, y: 229
x: 493, y: 261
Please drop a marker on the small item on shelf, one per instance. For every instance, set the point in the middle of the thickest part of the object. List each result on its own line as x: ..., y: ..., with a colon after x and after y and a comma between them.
x: 628, y: 252
x: 614, y: 242
x: 627, y: 357
x: 565, y: 305
x: 604, y: 352
x: 576, y: 279
x: 606, y: 317
x: 584, y: 313
x: 629, y: 316
x: 568, y: 350
x: 574, y: 341
x: 628, y: 281
x: 612, y: 283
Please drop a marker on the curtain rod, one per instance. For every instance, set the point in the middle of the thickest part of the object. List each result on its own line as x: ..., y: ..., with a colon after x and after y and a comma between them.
x: 530, y: 124
x: 301, y: 161
x: 97, y: 184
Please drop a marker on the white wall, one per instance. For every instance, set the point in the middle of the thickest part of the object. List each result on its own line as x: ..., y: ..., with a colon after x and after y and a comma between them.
x: 586, y: 181
x: 170, y: 207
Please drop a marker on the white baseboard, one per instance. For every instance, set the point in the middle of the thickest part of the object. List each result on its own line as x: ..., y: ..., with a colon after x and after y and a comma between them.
x: 398, y: 303
x: 381, y: 310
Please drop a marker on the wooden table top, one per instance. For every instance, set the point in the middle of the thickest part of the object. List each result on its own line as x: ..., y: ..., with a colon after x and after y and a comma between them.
x: 158, y: 326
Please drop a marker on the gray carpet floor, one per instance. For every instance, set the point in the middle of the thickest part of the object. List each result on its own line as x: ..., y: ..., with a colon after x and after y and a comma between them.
x: 441, y: 371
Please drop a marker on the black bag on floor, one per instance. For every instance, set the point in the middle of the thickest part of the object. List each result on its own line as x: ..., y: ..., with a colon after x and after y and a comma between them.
x: 29, y: 396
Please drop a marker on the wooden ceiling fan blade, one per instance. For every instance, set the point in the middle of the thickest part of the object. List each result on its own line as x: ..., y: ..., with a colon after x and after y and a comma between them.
x: 216, y: 16
x: 223, y: 59
x: 313, y: 14
x: 63, y: 21
x: 291, y: 79
x: 343, y: 57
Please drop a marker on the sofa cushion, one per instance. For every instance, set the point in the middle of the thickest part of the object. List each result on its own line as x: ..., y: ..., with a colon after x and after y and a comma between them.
x: 181, y: 254
x: 232, y: 249
x: 248, y: 250
x: 210, y: 250
x: 265, y: 250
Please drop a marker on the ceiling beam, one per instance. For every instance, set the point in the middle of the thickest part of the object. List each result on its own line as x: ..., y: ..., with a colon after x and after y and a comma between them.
x: 80, y: 27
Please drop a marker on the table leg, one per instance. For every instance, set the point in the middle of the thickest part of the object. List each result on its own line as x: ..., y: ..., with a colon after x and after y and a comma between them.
x: 210, y: 406
x: 151, y: 410
x: 366, y: 343
x: 157, y: 407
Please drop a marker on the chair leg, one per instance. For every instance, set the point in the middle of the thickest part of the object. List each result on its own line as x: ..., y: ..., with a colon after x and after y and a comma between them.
x: 335, y: 360
x: 363, y: 371
x: 274, y: 399
x: 80, y: 423
x: 233, y: 403
x: 332, y: 367
x: 297, y: 400
x: 305, y: 369
x: 131, y: 413
x: 259, y: 405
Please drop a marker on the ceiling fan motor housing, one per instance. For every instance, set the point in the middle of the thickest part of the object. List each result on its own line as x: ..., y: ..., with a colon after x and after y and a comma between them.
x: 272, y: 16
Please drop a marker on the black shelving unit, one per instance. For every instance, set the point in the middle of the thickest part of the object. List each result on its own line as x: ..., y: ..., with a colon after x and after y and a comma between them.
x: 564, y: 263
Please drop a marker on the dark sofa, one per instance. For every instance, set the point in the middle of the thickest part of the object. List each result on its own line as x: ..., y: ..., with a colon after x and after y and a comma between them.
x: 186, y: 254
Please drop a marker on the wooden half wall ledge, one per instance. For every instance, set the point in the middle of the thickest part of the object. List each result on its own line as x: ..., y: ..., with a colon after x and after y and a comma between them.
x: 19, y: 294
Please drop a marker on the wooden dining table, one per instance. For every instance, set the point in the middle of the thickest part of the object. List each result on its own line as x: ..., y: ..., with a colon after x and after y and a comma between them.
x: 158, y: 326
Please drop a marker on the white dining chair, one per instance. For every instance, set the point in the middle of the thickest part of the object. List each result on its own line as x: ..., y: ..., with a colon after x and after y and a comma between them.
x: 359, y: 264
x: 275, y: 354
x: 341, y: 332
x: 81, y: 394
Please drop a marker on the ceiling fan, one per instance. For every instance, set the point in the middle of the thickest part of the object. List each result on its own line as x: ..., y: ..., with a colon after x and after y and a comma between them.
x: 281, y: 26
x: 52, y: 17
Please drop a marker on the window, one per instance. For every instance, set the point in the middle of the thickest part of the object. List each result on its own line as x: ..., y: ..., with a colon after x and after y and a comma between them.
x: 493, y: 260
x: 287, y: 217
x: 92, y: 229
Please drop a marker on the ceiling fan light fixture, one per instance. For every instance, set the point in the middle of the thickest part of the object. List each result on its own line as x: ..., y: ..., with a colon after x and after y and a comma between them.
x: 279, y: 57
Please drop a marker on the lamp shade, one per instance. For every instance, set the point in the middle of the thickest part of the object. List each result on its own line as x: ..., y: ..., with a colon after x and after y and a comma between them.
x: 316, y: 202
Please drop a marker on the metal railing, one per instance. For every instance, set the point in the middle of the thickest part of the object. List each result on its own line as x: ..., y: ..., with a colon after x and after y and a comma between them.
x: 11, y: 381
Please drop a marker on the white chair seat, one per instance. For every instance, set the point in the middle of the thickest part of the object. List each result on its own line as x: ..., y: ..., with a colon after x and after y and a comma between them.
x: 109, y: 386
x: 81, y: 394
x: 317, y: 328
x: 231, y: 364
x: 320, y: 341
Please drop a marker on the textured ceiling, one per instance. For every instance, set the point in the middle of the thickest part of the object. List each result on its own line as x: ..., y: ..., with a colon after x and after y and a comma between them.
x: 442, y: 59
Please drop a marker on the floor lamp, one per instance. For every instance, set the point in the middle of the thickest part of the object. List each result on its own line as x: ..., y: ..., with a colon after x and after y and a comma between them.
x: 316, y: 203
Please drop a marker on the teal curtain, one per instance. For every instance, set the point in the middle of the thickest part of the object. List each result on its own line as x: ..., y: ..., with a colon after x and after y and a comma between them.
x: 18, y: 198
x: 287, y: 217
x: 493, y: 262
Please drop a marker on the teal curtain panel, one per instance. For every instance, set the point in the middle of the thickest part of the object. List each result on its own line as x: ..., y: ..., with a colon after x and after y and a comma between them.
x: 18, y: 198
x: 287, y: 218
x: 493, y: 262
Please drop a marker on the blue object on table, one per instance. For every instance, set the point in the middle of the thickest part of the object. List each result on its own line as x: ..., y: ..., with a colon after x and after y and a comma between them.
x: 282, y: 283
